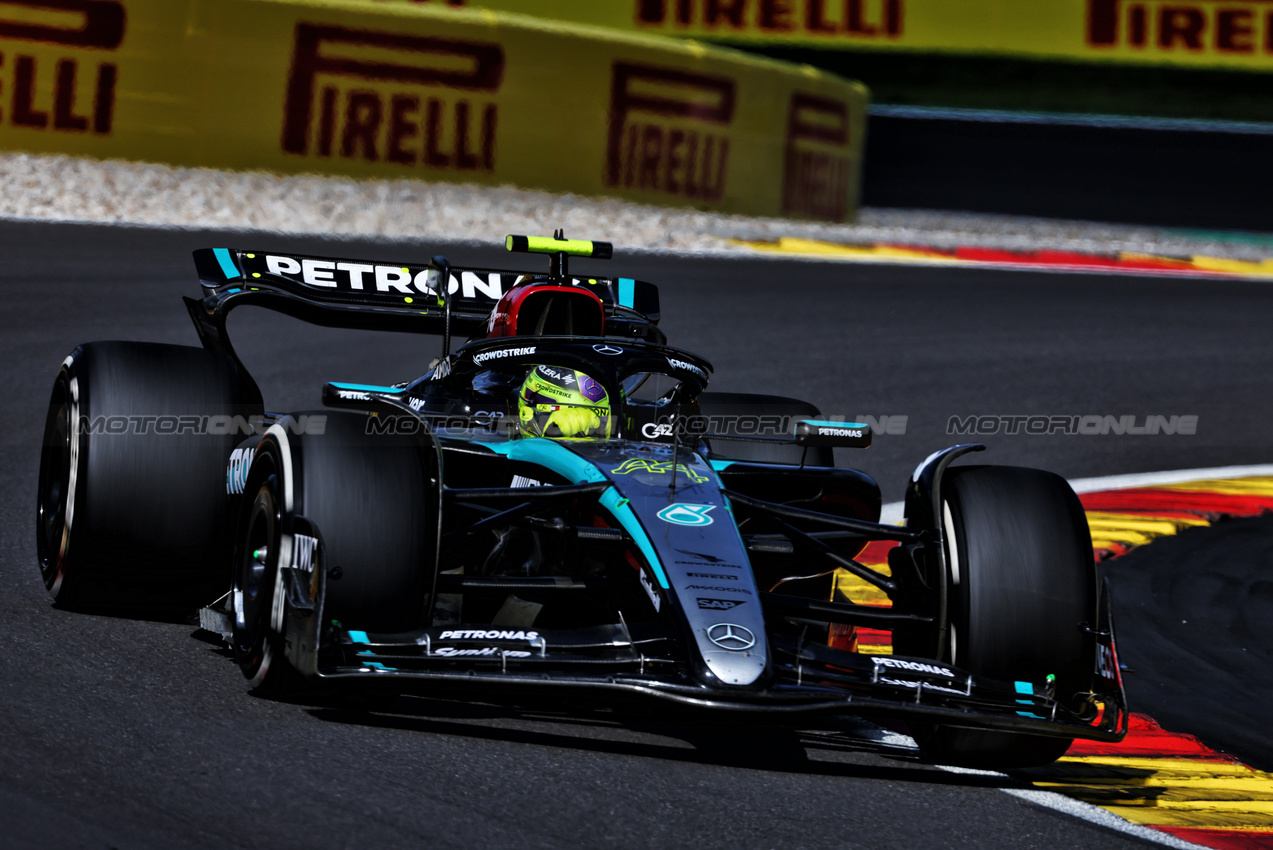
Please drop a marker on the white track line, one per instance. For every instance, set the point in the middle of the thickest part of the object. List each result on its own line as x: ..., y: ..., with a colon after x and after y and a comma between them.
x: 1100, y: 817
x: 1159, y: 479
x: 1048, y: 799
x: 1083, y: 811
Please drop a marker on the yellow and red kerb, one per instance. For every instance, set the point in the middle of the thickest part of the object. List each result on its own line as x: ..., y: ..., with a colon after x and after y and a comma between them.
x: 1155, y: 778
x: 1123, y: 262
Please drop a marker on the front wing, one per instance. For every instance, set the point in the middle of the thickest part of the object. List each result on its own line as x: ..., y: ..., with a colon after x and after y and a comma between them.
x: 806, y: 678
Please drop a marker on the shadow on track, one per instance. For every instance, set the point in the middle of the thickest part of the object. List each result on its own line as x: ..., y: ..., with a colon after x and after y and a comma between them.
x: 709, y: 742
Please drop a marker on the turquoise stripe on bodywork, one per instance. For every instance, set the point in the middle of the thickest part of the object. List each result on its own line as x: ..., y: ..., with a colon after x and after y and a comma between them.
x: 375, y: 665
x: 721, y: 465
x: 561, y: 460
x: 550, y: 455
x: 627, y: 292
x: 1025, y: 689
x: 228, y: 268
x: 366, y: 388
x: 614, y: 502
x: 361, y: 637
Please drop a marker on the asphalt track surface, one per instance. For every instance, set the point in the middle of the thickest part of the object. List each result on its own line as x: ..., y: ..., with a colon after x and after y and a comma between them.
x: 128, y: 733
x: 1194, y: 616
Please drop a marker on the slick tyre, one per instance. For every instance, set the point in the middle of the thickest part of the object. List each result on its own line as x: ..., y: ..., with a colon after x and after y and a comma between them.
x: 131, y: 505
x: 742, y: 414
x: 372, y: 499
x: 1021, y: 585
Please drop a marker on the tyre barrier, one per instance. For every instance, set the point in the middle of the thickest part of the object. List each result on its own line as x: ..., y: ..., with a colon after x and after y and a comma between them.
x: 404, y: 91
x: 1183, y: 33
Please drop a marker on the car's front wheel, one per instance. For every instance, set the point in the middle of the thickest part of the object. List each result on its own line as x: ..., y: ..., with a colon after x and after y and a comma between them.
x: 256, y: 627
x: 1021, y: 595
x: 373, y: 499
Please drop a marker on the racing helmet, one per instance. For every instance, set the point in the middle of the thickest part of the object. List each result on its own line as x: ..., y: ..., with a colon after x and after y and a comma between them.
x: 563, y: 404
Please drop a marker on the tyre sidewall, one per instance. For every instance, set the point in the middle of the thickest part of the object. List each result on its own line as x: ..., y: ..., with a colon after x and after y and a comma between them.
x: 60, y: 465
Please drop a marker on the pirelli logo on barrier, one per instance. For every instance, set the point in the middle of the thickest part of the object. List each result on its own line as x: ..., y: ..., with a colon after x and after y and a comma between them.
x: 406, y: 100
x: 818, y: 168
x: 381, y: 89
x: 56, y: 69
x: 1231, y: 27
x: 813, y: 18
x: 669, y: 131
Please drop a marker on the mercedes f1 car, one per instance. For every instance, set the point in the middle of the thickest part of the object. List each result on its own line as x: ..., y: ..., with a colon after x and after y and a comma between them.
x: 560, y: 506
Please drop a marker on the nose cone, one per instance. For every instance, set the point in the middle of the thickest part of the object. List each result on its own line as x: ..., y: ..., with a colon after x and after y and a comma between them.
x: 692, y: 543
x: 733, y: 652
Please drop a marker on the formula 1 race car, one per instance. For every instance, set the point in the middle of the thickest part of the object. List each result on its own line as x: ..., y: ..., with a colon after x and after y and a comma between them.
x: 558, y: 506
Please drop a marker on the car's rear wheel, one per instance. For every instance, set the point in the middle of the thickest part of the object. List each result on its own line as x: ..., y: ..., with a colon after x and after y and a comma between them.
x: 1022, y: 586
x: 132, y: 506
x: 371, y: 497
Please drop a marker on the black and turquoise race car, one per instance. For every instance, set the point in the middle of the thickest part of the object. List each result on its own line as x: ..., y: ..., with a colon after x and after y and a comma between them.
x: 431, y: 537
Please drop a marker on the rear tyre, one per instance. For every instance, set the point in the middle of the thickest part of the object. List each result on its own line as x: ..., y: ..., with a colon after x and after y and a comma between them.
x: 747, y: 414
x: 372, y: 499
x: 1021, y: 583
x: 132, y: 507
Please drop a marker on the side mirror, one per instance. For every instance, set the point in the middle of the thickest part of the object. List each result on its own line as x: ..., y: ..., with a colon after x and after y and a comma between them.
x: 847, y: 435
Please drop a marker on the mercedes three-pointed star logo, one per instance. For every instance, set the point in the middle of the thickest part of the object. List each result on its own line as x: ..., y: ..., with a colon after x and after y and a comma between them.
x: 607, y: 349
x: 731, y: 637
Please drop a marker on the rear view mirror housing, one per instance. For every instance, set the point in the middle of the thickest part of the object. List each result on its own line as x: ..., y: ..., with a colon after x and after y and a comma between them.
x: 846, y: 435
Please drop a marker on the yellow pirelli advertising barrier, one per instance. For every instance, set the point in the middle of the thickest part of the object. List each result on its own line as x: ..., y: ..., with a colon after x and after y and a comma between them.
x: 394, y: 90
x: 1200, y: 33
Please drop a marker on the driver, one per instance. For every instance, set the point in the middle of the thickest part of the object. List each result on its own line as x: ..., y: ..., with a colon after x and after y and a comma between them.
x: 563, y: 404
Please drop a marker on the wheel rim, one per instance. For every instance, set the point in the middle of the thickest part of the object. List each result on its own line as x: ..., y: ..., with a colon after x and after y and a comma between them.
x: 58, y: 460
x: 254, y: 578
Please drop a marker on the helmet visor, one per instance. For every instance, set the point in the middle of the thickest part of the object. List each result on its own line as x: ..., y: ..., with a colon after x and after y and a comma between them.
x: 556, y: 420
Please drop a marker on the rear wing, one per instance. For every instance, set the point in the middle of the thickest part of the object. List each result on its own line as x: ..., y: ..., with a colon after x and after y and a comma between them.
x: 379, y: 295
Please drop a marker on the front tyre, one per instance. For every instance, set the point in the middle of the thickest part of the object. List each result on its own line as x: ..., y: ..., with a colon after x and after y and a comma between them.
x: 255, y: 592
x: 1022, y: 583
x: 372, y: 498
